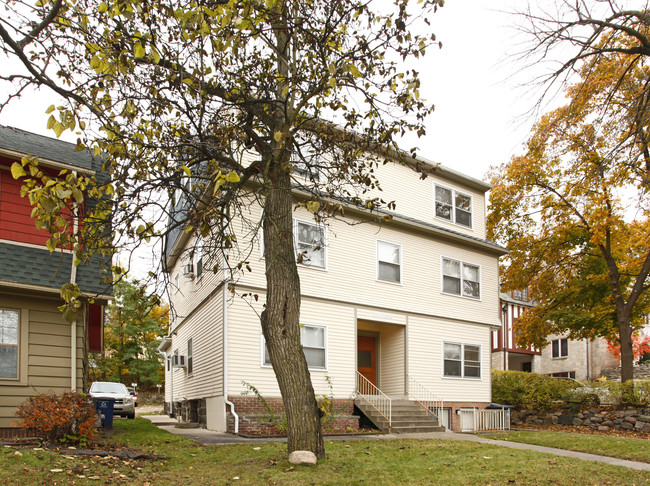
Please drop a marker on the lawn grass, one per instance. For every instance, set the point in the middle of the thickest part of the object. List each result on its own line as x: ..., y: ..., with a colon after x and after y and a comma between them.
x: 604, y: 445
x: 350, y: 463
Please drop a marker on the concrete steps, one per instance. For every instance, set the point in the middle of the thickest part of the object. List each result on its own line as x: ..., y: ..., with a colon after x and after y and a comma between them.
x: 407, y: 417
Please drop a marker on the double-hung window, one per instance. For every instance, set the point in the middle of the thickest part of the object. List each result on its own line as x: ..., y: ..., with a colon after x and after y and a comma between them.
x: 389, y: 262
x: 305, y: 159
x: 560, y: 347
x: 314, y: 344
x: 461, y: 360
x: 190, y: 357
x: 460, y: 278
x: 9, y: 326
x: 198, y: 258
x: 453, y: 206
x: 311, y: 244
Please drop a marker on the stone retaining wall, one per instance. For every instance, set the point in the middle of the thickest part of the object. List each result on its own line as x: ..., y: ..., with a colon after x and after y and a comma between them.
x: 602, y: 418
x: 641, y: 372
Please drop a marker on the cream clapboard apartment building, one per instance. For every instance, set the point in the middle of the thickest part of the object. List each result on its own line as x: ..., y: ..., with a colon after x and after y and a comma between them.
x: 409, y: 303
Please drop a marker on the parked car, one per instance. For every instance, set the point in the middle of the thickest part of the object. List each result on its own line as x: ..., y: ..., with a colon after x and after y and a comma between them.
x: 124, y: 404
x: 134, y: 395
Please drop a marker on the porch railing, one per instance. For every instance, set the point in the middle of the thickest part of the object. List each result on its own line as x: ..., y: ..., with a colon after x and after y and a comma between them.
x: 426, y: 398
x: 475, y: 420
x: 374, y: 397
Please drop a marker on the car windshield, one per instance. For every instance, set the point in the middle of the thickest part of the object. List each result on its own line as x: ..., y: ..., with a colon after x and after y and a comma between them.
x: 108, y: 388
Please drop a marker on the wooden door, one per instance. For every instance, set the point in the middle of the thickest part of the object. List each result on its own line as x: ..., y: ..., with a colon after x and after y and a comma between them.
x: 367, y: 357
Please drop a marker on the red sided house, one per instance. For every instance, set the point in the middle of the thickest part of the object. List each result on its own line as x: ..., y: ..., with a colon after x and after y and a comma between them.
x: 39, y: 350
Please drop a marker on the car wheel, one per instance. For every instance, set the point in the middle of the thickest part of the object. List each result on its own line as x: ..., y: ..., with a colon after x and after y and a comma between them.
x: 132, y: 416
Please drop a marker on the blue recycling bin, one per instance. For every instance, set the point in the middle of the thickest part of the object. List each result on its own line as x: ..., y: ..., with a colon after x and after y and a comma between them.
x: 105, y: 408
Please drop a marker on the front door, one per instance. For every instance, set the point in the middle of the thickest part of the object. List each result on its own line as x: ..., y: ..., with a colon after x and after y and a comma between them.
x: 367, y: 358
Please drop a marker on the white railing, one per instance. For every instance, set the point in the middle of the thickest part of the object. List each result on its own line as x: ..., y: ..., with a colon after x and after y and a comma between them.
x: 475, y: 420
x: 426, y: 398
x: 374, y: 397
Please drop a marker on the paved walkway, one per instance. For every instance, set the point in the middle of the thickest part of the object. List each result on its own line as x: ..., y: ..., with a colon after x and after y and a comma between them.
x: 208, y: 437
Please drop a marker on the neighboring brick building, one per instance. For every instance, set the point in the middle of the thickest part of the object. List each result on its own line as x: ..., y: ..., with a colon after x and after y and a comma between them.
x: 581, y: 359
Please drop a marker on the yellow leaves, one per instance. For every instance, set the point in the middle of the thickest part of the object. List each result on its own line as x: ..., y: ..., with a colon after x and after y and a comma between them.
x: 355, y: 71
x: 232, y: 177
x: 277, y: 136
x: 139, y: 51
x: 103, y: 8
x: 17, y: 171
x: 313, y: 206
x: 187, y: 170
x: 154, y: 55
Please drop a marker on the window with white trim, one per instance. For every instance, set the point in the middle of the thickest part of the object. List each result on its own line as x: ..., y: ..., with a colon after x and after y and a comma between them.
x: 520, y: 295
x: 461, y: 360
x: 190, y: 357
x: 460, y: 278
x: 389, y: 262
x: 453, y: 206
x: 9, y: 327
x: 560, y: 347
x: 314, y: 344
x: 198, y: 258
x: 311, y: 244
x: 305, y: 158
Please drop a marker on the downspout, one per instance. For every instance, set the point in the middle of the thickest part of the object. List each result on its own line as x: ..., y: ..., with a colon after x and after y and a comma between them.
x: 171, y: 389
x: 73, y: 329
x: 166, y: 358
x: 588, y: 364
x: 225, y: 357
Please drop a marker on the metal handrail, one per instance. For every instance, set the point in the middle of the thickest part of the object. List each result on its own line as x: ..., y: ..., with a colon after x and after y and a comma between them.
x: 374, y: 397
x: 426, y: 398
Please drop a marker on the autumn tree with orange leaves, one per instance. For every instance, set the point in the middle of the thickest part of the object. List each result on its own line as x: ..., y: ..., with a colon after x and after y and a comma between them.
x: 573, y: 209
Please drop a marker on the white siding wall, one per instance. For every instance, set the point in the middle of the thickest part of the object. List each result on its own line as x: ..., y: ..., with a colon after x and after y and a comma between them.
x: 425, y: 340
x: 415, y: 197
x: 205, y: 328
x: 352, y: 271
x: 245, y: 348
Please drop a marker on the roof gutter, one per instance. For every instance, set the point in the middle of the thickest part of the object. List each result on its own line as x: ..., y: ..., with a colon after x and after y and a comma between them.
x: 49, y: 162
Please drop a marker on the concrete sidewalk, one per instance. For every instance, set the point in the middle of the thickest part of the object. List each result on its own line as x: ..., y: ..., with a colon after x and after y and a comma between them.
x: 208, y: 437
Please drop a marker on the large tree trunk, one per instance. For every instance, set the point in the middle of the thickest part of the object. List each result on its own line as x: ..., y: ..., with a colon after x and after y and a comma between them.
x: 280, y: 320
x: 627, y: 352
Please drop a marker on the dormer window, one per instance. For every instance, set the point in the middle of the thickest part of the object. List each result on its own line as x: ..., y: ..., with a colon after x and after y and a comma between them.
x: 453, y: 206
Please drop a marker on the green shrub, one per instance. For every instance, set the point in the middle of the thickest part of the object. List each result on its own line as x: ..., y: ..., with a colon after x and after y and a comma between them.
x: 66, y: 418
x: 522, y: 389
x: 633, y: 393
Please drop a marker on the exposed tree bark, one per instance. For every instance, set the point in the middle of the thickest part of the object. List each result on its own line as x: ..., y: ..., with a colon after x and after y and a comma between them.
x: 281, y: 318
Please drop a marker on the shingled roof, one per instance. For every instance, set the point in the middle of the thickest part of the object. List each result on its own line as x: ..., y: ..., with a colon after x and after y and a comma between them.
x: 30, y: 265
x: 48, y: 148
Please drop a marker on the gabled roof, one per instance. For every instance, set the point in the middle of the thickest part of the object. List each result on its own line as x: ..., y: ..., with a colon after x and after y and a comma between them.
x: 21, y: 142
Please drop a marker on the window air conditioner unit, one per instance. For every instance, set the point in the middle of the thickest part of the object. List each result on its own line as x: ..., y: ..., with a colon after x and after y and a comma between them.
x: 178, y: 361
x: 188, y: 270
